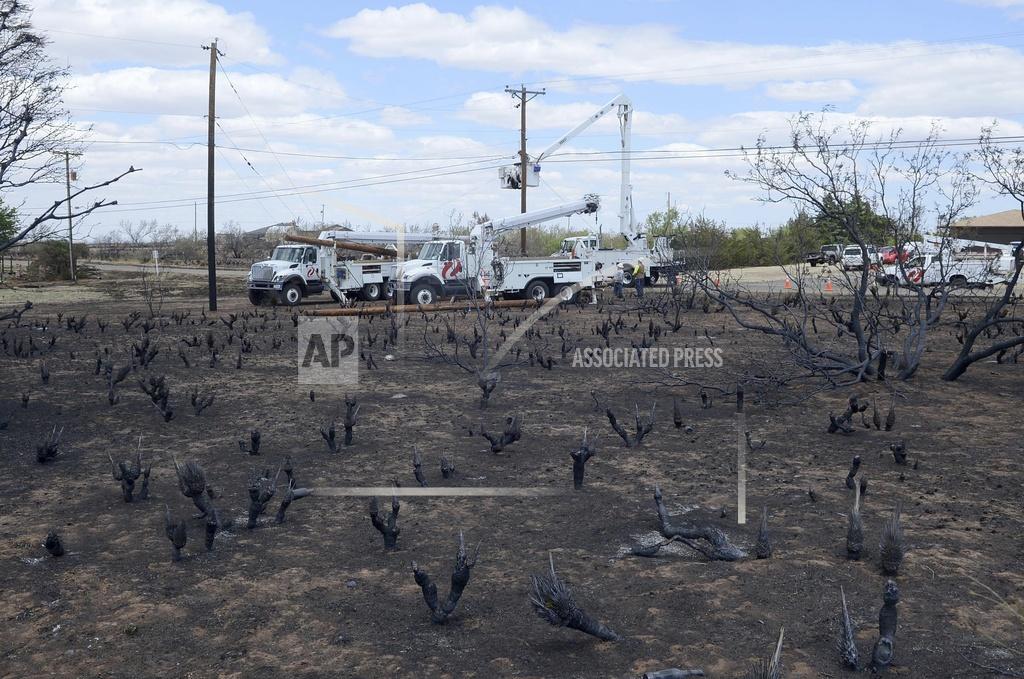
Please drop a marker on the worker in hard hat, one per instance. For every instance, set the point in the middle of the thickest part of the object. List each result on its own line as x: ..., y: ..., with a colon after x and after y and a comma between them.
x: 617, y: 280
x: 638, y: 278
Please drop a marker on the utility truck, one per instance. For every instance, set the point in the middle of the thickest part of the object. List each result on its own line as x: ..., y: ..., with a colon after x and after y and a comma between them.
x: 312, y: 266
x: 955, y: 262
x: 598, y: 247
x: 465, y: 268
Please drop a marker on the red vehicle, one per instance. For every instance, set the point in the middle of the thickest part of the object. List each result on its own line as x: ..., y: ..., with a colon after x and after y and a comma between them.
x: 888, y: 254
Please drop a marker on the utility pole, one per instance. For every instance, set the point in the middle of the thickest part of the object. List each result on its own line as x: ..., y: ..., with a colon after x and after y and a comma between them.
x: 523, y: 95
x: 211, y: 240
x: 71, y: 235
x: 323, y: 218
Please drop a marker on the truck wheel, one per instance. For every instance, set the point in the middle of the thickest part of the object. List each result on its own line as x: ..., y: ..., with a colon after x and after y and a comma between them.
x: 831, y: 261
x: 422, y: 294
x: 958, y: 281
x: 653, y: 280
x: 390, y: 289
x: 565, y: 293
x: 291, y: 294
x: 256, y: 297
x: 627, y: 278
x: 372, y: 292
x: 813, y: 263
x: 538, y: 291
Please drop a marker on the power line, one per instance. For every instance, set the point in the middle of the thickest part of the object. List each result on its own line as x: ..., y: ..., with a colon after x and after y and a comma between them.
x: 265, y: 140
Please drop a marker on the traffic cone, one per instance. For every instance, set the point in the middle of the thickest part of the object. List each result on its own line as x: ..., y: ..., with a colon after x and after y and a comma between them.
x: 828, y: 285
x: 788, y: 285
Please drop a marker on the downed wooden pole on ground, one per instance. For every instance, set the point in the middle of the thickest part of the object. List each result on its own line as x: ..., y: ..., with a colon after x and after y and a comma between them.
x: 341, y: 245
x: 409, y: 308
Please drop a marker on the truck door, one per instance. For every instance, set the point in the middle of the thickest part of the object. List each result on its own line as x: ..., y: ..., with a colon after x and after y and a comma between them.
x: 312, y: 269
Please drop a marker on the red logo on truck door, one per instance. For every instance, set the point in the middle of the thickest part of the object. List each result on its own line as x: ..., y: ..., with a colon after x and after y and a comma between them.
x: 451, y: 269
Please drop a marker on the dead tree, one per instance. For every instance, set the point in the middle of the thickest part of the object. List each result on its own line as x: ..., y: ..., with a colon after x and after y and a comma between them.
x: 579, y: 461
x: 213, y: 526
x: 845, y: 641
x: 291, y: 495
x: 176, y: 532
x: 843, y: 423
x: 643, y: 427
x: 899, y: 452
x: 192, y: 483
x: 113, y: 379
x: 882, y: 654
x: 261, y: 490
x: 158, y: 392
x: 553, y: 602
x: 388, y: 527
x: 35, y: 127
x: 510, y: 435
x: 772, y: 667
x: 891, y: 548
x: 417, y: 468
x: 1004, y: 172
x: 200, y: 402
x: 49, y: 449
x: 53, y: 544
x: 253, y: 447
x: 127, y: 475
x: 460, y: 578
x: 351, y: 414
x: 851, y: 475
x: 854, y: 528
x: 763, y: 547
x: 447, y: 467
x: 329, y: 436
x: 718, y: 547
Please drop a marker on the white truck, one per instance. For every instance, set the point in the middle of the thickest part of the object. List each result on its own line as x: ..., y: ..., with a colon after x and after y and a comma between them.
x: 656, y: 260
x: 956, y: 263
x: 311, y: 266
x: 457, y: 268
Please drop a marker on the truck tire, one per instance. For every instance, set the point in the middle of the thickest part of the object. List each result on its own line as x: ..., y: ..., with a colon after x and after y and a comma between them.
x: 566, y: 293
x: 422, y: 294
x: 813, y: 263
x: 538, y: 291
x: 831, y: 260
x: 256, y: 297
x: 627, y: 278
x: 291, y: 293
x: 373, y: 291
x: 654, y: 277
x: 958, y: 281
x: 390, y: 289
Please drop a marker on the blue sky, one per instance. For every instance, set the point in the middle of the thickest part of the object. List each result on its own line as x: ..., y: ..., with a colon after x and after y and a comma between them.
x: 407, y: 101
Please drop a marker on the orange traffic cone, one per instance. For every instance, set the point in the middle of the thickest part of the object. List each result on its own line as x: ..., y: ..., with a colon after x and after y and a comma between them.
x: 828, y: 285
x: 788, y: 285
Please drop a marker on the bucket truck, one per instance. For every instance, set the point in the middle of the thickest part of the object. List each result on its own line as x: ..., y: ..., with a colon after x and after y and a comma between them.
x: 311, y: 266
x: 457, y: 268
x: 597, y: 246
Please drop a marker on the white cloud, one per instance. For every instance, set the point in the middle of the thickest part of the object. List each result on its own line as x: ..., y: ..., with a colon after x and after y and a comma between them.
x: 145, y: 89
x: 823, y: 91
x: 498, y: 39
x: 398, y: 116
x: 145, y: 26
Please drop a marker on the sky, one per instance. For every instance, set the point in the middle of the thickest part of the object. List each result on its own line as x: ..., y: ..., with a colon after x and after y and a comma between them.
x: 380, y: 114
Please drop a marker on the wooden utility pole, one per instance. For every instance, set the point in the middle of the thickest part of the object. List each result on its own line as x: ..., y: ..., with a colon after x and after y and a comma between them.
x: 211, y: 236
x: 523, y: 95
x: 71, y: 235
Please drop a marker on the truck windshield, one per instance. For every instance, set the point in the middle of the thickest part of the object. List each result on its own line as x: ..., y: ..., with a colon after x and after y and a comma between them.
x: 432, y: 250
x: 285, y: 254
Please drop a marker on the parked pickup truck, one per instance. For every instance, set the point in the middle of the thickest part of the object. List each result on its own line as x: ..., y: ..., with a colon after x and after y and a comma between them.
x: 828, y: 254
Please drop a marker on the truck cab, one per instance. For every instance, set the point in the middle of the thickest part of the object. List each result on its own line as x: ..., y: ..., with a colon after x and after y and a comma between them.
x: 442, y: 268
x: 291, y: 273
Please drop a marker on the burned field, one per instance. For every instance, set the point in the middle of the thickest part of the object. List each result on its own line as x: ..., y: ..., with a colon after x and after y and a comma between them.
x: 190, y: 414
